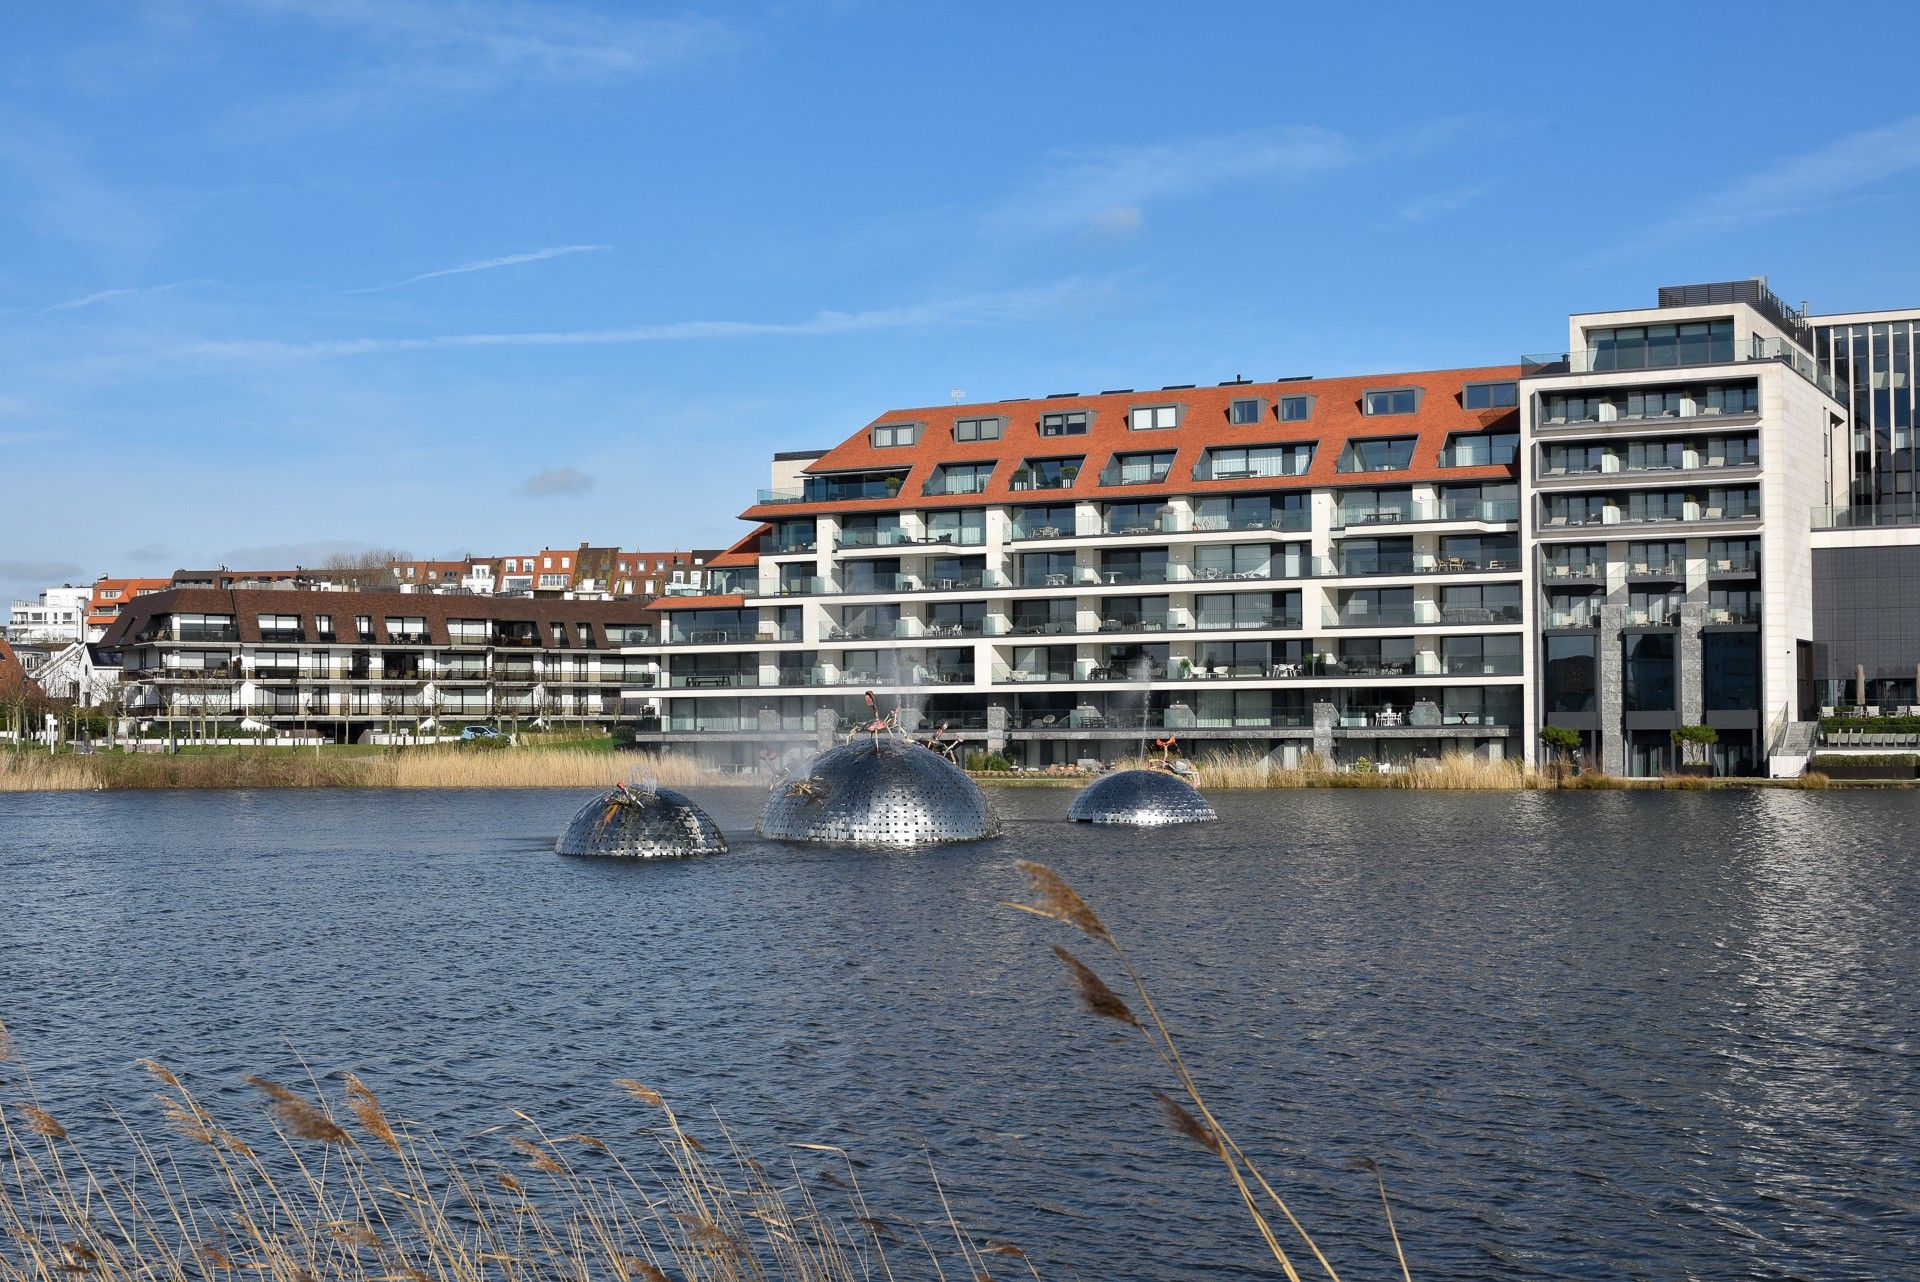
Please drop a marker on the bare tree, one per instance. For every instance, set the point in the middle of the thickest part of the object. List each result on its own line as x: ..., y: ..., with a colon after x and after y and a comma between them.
x: 368, y: 571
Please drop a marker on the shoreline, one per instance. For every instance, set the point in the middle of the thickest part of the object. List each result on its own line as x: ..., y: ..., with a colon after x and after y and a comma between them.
x: 581, y: 768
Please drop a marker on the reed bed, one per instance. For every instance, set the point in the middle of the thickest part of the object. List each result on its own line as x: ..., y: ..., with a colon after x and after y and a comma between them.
x: 1456, y: 772
x: 424, y: 767
x: 343, y: 1191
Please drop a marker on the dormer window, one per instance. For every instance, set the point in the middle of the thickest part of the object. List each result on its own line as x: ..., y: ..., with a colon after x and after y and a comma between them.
x: 887, y: 435
x: 1490, y: 396
x: 979, y: 429
x: 1246, y: 411
x: 960, y: 478
x: 1398, y: 400
x: 1295, y: 409
x: 1381, y: 454
x: 1065, y: 423
x: 1154, y: 418
x: 1046, y: 473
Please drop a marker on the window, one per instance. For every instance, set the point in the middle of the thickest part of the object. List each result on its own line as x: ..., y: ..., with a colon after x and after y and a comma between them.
x: 1571, y: 672
x: 1481, y: 603
x: 279, y: 627
x: 410, y: 630
x: 1382, y: 454
x: 1400, y: 400
x: 1153, y: 418
x: 1480, y: 449
x: 890, y: 434
x: 960, y: 478
x: 1243, y: 412
x: 1648, y: 684
x: 1046, y: 473
x: 1065, y: 423
x: 323, y: 627
x: 1731, y: 661
x: 363, y: 624
x: 1255, y: 460
x: 1491, y: 656
x: 1138, y: 469
x: 1295, y: 409
x: 1661, y: 346
x: 979, y: 429
x: 1491, y: 396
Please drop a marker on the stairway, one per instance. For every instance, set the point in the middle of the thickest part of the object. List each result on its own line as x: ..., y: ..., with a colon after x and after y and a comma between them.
x: 1791, y: 754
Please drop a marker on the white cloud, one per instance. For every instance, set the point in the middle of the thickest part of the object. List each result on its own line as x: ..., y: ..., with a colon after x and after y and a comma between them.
x: 971, y: 309
x: 1441, y: 203
x: 1090, y: 189
x: 411, y: 51
x: 1119, y: 222
x: 1827, y: 176
x: 486, y: 265
x: 104, y: 295
x: 556, y: 481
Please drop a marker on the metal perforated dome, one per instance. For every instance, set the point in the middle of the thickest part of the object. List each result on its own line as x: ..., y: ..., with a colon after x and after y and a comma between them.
x: 878, y: 791
x: 1141, y: 798
x: 641, y: 823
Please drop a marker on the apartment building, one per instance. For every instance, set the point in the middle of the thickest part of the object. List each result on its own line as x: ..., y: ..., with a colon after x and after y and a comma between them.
x: 346, y: 662
x: 1304, y: 565
x: 110, y: 596
x: 1675, y: 458
x: 56, y: 618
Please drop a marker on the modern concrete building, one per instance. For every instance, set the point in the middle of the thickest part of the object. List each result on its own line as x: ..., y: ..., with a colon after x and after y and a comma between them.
x: 55, y: 619
x: 1325, y: 566
x: 1675, y: 457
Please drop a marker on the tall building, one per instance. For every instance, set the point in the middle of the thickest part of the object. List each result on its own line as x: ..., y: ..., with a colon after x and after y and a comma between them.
x: 1675, y: 457
x: 1325, y: 566
x: 1870, y: 356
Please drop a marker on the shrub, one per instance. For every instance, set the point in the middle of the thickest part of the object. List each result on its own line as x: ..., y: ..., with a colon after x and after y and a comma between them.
x: 1837, y: 761
x: 987, y: 762
x: 1876, y: 725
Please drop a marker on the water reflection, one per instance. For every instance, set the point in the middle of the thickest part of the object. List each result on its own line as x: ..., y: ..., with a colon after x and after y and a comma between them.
x: 1588, y: 1035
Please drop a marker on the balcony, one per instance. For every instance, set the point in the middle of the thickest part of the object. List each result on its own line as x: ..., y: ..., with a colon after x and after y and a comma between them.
x: 714, y: 636
x: 1745, y: 564
x: 1580, y: 619
x: 743, y: 679
x: 1165, y: 523
x: 1708, y: 351
x: 1654, y: 569
x: 1209, y: 470
x: 1733, y: 618
x: 1279, y: 621
x: 864, y: 538
x: 1287, y: 519
x: 1410, y: 512
x: 1022, y: 531
x: 1592, y: 571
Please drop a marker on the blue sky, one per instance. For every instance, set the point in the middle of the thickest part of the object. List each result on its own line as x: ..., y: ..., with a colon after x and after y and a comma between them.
x: 279, y: 277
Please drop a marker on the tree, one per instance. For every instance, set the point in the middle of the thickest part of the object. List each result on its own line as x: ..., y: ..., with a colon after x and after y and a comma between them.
x: 368, y: 571
x: 1562, y: 742
x: 1694, y: 743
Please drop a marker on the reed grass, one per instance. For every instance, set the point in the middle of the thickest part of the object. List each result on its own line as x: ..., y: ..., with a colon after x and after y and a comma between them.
x: 424, y: 767
x: 1190, y: 1115
x: 1450, y: 772
x: 343, y: 1191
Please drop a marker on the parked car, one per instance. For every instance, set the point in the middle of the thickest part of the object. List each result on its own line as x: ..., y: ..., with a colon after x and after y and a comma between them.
x: 471, y: 733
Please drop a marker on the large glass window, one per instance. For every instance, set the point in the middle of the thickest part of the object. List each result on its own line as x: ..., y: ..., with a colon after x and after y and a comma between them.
x: 1376, y: 556
x: 978, y: 429
x: 1481, y: 603
x: 1052, y: 522
x: 1480, y: 449
x: 1254, y: 460
x: 1138, y: 469
x: 1399, y: 400
x: 889, y: 434
x: 1056, y: 617
x: 967, y: 527
x: 1572, y: 673
x: 1731, y: 664
x: 1661, y: 346
x: 960, y: 478
x: 1153, y: 418
x: 1135, y: 518
x: 1481, y: 656
x: 1381, y: 454
x: 1648, y: 676
x: 1254, y: 512
x: 1046, y: 569
x: 1065, y: 423
x: 1233, y: 561
x: 1295, y: 409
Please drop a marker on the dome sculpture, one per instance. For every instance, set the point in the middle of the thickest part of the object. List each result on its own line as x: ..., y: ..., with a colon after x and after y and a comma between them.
x: 1141, y: 799
x: 641, y: 823
x: 879, y: 789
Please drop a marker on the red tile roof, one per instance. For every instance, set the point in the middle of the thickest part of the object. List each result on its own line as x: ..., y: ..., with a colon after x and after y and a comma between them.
x: 102, y: 608
x: 1336, y: 418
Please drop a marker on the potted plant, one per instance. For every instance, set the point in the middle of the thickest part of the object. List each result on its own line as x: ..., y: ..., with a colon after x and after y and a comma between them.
x: 1694, y: 742
x: 1067, y: 472
x: 893, y: 486
x: 1021, y: 477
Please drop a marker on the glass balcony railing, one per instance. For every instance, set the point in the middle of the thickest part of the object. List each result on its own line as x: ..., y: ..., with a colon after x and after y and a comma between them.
x: 1581, y: 570
x: 1165, y: 523
x: 1288, y: 519
x: 1383, y: 616
x: 1279, y: 620
x: 1589, y: 618
x: 1399, y: 513
x: 1679, y: 355
x: 887, y: 537
x: 1748, y: 616
x: 1023, y: 530
x: 1742, y: 564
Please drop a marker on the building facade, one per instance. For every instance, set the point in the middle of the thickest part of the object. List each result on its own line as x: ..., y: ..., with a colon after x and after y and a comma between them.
x: 56, y: 618
x: 1306, y: 566
x: 1675, y: 457
x: 345, y: 662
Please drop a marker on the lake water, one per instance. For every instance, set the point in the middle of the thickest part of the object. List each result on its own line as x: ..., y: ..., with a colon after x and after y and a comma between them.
x: 1597, y: 1035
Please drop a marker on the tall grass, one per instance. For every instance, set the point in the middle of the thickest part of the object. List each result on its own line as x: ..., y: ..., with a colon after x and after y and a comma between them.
x: 426, y: 767
x: 1455, y: 771
x: 342, y: 1190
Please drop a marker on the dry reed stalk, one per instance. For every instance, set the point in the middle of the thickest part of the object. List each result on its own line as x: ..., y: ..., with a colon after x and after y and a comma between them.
x: 315, y: 1203
x: 425, y: 767
x: 1055, y: 899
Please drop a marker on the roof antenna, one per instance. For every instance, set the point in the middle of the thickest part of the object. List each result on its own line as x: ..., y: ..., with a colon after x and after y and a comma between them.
x: 958, y: 394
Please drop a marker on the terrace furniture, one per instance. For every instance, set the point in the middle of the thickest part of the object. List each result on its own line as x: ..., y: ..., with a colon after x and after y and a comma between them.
x: 1057, y: 580
x: 1047, y: 532
x: 1138, y: 529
